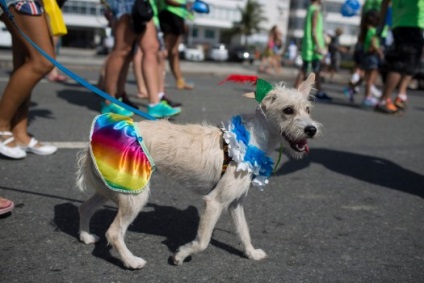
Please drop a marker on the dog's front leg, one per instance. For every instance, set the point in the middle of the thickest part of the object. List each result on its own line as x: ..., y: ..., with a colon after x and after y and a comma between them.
x: 237, y: 214
x: 208, y: 219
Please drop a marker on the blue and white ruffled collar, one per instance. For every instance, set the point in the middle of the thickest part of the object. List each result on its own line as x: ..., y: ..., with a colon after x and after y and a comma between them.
x: 247, y: 156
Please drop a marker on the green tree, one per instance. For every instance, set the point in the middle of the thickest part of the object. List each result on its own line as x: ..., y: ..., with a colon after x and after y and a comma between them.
x: 252, y: 15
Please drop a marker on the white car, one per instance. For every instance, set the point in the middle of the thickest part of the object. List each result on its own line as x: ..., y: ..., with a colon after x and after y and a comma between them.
x: 218, y: 52
x: 194, y: 53
x: 5, y: 37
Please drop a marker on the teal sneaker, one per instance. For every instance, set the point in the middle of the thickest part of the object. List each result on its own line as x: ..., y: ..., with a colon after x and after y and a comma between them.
x: 114, y: 108
x: 163, y: 110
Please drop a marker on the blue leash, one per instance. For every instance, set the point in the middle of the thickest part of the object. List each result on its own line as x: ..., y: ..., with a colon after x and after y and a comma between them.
x: 72, y: 75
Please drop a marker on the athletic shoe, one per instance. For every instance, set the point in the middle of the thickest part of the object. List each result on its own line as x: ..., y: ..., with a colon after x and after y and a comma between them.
x: 400, y: 104
x: 387, y: 108
x: 171, y: 103
x: 370, y: 102
x: 349, y: 92
x: 323, y: 96
x: 162, y: 110
x: 127, y: 101
x: 114, y: 108
x: 375, y: 91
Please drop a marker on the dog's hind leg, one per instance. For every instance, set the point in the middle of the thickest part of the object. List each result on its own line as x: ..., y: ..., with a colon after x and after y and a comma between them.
x: 128, y: 208
x: 237, y: 214
x: 86, y: 210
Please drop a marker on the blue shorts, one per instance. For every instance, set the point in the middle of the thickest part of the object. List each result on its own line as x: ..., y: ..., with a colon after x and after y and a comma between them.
x: 121, y: 7
x: 371, y: 61
x: 311, y: 66
x: 27, y: 7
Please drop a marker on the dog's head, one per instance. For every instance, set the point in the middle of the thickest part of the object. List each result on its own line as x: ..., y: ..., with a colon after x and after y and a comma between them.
x: 288, y: 114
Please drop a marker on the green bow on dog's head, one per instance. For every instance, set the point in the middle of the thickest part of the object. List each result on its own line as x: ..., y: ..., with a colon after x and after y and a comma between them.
x: 262, y: 89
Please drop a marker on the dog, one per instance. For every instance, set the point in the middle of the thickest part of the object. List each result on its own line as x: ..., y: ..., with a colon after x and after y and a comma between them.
x: 193, y: 155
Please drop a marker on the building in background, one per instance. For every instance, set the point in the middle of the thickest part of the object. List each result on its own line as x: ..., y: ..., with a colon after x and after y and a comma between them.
x: 87, y: 26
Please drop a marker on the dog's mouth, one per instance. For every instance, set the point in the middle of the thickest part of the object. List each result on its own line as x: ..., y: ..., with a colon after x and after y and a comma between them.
x: 299, y: 145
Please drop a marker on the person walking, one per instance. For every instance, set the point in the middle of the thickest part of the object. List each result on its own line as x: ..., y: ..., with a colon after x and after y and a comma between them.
x: 125, y: 37
x: 172, y: 22
x: 313, y: 48
x: 29, y: 67
x: 403, y: 59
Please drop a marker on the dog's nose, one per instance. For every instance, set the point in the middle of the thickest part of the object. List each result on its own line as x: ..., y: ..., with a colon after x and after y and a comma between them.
x: 310, y: 131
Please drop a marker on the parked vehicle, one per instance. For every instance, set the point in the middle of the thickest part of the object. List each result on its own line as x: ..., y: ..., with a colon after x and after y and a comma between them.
x: 194, y: 53
x: 218, y: 52
x: 241, y: 54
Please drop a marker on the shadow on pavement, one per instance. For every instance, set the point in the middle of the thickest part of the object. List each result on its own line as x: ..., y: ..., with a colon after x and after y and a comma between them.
x: 81, y: 98
x: 177, y: 226
x: 366, y: 168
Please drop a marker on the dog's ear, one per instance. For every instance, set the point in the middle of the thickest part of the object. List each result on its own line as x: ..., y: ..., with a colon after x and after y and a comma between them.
x: 268, y: 100
x: 249, y: 95
x: 306, y: 86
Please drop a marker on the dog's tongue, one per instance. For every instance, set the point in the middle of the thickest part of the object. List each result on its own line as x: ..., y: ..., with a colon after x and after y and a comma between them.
x: 303, y: 144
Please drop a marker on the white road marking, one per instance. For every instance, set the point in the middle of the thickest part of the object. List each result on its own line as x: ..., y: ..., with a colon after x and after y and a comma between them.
x: 68, y: 145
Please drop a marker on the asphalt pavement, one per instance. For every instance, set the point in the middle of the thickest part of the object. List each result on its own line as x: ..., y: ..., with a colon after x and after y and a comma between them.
x: 351, y: 211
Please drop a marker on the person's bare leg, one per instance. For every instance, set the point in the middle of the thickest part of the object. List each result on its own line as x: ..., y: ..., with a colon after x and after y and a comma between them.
x: 162, y: 55
x: 138, y: 73
x: 391, y: 83
x: 15, y: 100
x: 149, y: 46
x: 124, y: 38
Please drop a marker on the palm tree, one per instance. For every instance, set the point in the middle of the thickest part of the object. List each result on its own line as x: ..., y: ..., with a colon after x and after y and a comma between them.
x: 251, y: 17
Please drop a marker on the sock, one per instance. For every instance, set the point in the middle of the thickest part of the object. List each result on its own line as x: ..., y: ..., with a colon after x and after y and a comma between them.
x: 402, y: 96
x: 355, y: 78
x: 160, y: 95
x: 153, y: 104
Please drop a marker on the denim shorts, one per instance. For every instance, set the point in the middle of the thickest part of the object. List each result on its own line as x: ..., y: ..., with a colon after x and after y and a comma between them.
x: 27, y: 7
x: 311, y: 66
x: 120, y: 7
x: 371, y: 61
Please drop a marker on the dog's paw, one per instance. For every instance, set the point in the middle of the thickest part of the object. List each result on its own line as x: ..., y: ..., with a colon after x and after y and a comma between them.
x: 135, y: 263
x: 257, y: 254
x: 88, y: 238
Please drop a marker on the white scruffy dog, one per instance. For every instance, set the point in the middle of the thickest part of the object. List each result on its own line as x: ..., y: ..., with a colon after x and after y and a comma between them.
x: 193, y: 156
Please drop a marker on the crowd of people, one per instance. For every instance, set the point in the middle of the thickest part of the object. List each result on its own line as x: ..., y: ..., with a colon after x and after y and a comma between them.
x: 148, y: 42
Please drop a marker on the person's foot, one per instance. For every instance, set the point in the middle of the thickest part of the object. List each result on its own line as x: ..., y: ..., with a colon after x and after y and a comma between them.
x: 114, y: 108
x: 386, y: 107
x: 171, y: 103
x: 323, y: 96
x: 350, y: 93
x: 8, y: 146
x: 162, y: 110
x: 370, y: 102
x: 38, y: 148
x: 6, y: 205
x: 57, y: 78
x: 400, y: 104
x: 124, y: 98
x: 182, y: 85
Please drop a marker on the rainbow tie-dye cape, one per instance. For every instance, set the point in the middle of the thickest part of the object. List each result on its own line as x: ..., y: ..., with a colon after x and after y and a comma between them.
x: 119, y: 153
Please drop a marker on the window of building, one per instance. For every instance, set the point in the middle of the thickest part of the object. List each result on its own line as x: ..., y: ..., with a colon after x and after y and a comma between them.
x: 209, y: 34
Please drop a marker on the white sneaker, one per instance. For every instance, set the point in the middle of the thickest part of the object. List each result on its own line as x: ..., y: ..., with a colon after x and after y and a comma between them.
x: 45, y: 149
x: 12, y: 152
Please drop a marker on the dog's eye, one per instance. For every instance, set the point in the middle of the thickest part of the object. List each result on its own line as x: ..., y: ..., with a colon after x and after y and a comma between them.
x: 307, y: 110
x: 288, y: 111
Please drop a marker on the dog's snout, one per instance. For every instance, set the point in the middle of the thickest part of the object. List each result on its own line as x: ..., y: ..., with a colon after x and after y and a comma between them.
x: 310, y: 131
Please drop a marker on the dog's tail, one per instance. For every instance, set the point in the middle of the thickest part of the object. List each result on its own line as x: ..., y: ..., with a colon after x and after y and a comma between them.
x: 83, y: 160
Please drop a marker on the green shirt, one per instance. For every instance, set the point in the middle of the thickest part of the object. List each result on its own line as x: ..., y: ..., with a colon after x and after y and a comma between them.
x: 179, y: 11
x: 408, y: 13
x: 155, y: 12
x: 371, y: 34
x: 372, y: 5
x: 309, y: 47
